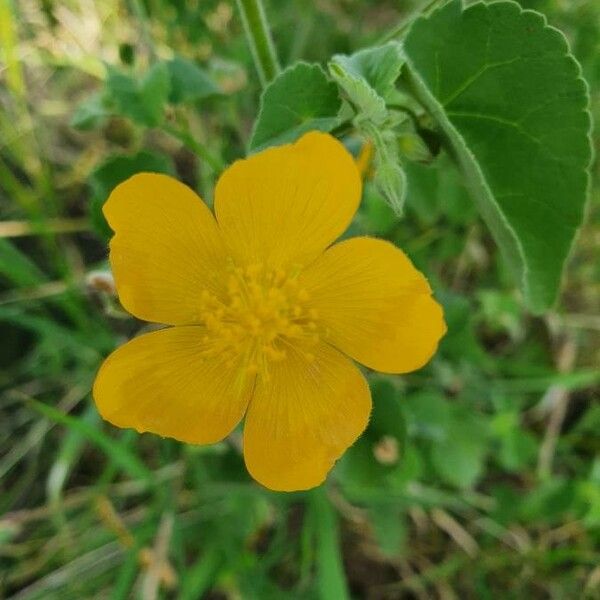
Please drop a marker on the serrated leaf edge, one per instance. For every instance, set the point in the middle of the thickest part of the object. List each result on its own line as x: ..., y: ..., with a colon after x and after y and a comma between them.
x: 437, y: 111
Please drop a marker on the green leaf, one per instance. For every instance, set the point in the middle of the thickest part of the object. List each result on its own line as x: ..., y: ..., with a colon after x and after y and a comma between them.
x: 189, y: 82
x: 459, y: 456
x: 113, y: 449
x: 115, y: 170
x: 298, y: 100
x: 142, y: 101
x: 200, y: 576
x: 518, y: 448
x: 154, y: 93
x: 388, y: 521
x: 367, y: 103
x: 387, y: 417
x: 379, y: 67
x: 549, y: 501
x: 71, y: 447
x: 91, y: 113
x: 462, y: 343
x: 507, y: 93
x: 17, y: 267
x: 367, y: 77
x: 363, y: 466
x: 437, y: 190
x: 330, y: 569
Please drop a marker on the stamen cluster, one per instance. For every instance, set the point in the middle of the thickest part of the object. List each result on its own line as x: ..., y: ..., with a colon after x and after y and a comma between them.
x: 263, y: 314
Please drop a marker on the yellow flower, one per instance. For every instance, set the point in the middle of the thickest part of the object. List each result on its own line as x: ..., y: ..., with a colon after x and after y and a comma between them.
x: 265, y: 313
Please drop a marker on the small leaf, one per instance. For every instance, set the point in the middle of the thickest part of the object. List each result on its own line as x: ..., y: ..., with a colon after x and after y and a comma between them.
x: 142, y: 101
x: 459, y: 456
x: 91, y: 113
x: 549, y: 501
x: 123, y: 91
x: 328, y: 558
x: 462, y: 342
x: 189, y: 82
x: 436, y: 191
x: 508, y: 94
x: 389, y: 526
x: 378, y: 459
x: 298, y: 100
x: 115, y: 170
x: 367, y: 77
x: 387, y: 417
x: 367, y: 103
x: 154, y: 90
x: 427, y: 415
x: 379, y: 66
x: 518, y: 448
x: 17, y: 267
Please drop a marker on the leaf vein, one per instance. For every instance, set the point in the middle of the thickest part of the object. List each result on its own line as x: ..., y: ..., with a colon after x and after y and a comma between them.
x: 473, y: 78
x: 518, y: 127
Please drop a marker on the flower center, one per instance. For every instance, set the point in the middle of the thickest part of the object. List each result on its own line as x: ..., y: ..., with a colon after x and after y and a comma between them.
x: 264, y: 314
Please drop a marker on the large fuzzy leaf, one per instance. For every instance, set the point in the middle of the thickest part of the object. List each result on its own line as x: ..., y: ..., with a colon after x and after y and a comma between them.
x: 506, y: 92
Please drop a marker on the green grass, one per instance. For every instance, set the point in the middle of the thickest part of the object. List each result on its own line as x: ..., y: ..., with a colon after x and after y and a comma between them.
x: 496, y: 492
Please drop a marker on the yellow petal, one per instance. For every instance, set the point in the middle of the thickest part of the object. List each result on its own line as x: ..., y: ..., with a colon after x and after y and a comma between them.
x: 166, y: 250
x: 303, y: 418
x: 285, y: 205
x: 161, y: 382
x: 374, y: 305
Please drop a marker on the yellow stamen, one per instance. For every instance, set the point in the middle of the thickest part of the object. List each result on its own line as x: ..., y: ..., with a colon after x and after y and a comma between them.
x: 262, y: 314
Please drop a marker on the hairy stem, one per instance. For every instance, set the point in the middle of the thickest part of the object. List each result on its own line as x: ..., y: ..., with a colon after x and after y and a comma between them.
x: 259, y: 39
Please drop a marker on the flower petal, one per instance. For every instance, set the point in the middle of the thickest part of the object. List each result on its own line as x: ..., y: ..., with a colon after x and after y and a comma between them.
x: 285, y: 205
x: 161, y: 382
x: 374, y: 305
x: 166, y: 249
x: 303, y: 418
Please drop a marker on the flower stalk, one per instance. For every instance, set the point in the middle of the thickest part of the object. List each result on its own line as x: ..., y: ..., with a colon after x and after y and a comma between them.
x: 259, y: 39
x: 188, y: 140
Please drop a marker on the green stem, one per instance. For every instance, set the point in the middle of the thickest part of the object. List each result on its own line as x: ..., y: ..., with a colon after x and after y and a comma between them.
x: 215, y: 163
x: 259, y: 39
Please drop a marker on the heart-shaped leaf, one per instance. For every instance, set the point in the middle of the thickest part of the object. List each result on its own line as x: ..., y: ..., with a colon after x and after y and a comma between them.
x: 506, y: 92
x: 189, y: 82
x: 301, y: 98
x: 142, y: 100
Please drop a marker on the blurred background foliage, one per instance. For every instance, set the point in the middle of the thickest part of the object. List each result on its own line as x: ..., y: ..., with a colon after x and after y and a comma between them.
x: 479, y: 475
